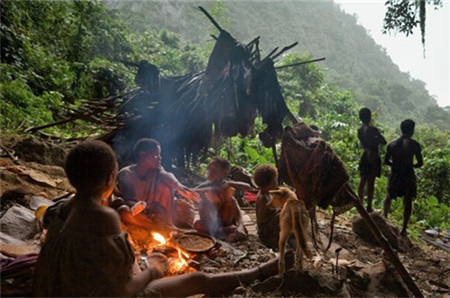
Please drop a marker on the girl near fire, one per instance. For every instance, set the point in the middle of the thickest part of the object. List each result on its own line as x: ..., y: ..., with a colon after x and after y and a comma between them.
x: 87, y: 254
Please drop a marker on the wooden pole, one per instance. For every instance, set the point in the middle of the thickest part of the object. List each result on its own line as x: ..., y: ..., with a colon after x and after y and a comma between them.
x: 390, y: 253
x: 299, y: 63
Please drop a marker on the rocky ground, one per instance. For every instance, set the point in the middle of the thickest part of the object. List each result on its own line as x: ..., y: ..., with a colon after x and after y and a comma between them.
x: 31, y: 166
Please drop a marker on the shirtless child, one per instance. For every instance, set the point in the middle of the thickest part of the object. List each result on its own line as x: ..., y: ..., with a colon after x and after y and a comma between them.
x: 370, y: 163
x: 220, y: 215
x: 147, y: 181
x: 267, y: 219
x: 402, y: 181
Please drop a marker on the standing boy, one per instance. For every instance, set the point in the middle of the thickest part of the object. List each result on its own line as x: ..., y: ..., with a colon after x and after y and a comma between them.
x: 402, y: 181
x: 267, y: 218
x: 370, y: 164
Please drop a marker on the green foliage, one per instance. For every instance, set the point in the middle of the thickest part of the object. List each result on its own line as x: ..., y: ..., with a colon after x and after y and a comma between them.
x: 83, y: 60
x: 17, y: 103
x: 430, y: 213
x: 405, y: 15
x: 353, y: 60
x: 434, y: 177
x: 168, y: 52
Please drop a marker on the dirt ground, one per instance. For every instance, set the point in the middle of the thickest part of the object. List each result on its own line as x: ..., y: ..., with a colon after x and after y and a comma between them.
x: 34, y: 166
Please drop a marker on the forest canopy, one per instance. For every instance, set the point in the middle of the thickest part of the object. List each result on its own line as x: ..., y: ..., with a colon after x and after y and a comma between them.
x: 57, y: 55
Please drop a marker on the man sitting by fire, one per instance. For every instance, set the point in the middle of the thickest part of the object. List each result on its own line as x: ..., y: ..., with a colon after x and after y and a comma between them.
x: 147, y: 187
x: 220, y: 215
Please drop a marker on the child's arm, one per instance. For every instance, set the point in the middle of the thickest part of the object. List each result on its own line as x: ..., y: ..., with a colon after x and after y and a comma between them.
x: 238, y: 185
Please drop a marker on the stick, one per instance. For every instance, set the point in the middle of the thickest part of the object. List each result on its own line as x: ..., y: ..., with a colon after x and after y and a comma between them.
x: 291, y: 116
x: 271, y: 53
x: 392, y: 256
x: 211, y: 19
x: 11, y: 155
x: 274, y: 152
x: 285, y: 49
x: 300, y: 63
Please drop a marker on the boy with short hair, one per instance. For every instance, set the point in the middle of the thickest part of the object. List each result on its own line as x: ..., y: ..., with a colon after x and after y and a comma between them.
x: 220, y: 215
x: 370, y: 164
x: 267, y: 219
x: 402, y: 181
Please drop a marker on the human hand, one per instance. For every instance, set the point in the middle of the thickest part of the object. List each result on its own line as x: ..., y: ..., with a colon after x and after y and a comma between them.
x: 189, y: 194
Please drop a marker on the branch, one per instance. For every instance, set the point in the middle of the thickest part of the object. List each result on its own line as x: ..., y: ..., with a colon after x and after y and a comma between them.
x: 300, y: 63
x: 211, y: 19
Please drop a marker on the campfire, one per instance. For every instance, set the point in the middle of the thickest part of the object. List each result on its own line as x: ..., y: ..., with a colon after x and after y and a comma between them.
x: 178, y: 263
x: 146, y: 243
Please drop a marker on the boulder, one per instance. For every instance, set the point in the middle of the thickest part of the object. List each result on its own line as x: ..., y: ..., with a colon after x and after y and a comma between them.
x: 391, y: 232
x: 19, y: 223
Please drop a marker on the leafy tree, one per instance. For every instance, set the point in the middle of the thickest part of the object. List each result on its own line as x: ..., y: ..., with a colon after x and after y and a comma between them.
x: 405, y: 15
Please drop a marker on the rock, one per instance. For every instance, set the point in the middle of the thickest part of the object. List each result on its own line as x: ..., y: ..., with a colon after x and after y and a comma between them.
x: 19, y: 223
x: 402, y: 244
x: 34, y: 149
x: 5, y: 238
x: 383, y: 282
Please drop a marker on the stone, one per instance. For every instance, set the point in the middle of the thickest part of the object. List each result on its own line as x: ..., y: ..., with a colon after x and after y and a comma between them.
x: 19, y: 222
x: 390, y: 232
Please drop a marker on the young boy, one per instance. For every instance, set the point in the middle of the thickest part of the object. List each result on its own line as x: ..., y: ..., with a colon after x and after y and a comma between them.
x: 267, y: 219
x: 147, y: 181
x: 402, y: 181
x: 370, y: 164
x: 220, y: 215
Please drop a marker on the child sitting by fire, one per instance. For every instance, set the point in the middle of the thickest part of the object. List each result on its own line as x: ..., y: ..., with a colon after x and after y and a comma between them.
x: 267, y: 219
x: 147, y: 187
x: 220, y: 215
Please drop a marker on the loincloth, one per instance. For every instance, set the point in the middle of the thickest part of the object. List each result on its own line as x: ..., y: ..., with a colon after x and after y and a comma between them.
x: 370, y: 165
x: 402, y: 182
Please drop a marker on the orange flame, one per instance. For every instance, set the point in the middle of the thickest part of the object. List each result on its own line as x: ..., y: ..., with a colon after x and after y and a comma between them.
x: 176, y: 264
x: 160, y: 238
x: 180, y: 264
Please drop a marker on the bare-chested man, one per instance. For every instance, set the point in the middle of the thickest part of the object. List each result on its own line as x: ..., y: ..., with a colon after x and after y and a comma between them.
x: 402, y: 182
x: 370, y: 164
x: 147, y: 181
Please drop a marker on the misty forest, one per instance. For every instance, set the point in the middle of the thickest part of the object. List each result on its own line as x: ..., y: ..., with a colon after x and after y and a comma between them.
x: 258, y: 83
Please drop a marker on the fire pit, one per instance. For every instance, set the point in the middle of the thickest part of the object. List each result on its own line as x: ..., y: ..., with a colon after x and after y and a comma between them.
x: 179, y: 248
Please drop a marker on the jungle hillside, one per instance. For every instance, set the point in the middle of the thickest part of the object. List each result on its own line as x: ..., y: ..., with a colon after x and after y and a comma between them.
x: 58, y: 55
x: 353, y: 62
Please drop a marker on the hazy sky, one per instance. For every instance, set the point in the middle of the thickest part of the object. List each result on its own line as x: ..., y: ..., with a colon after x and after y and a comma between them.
x: 407, y: 52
